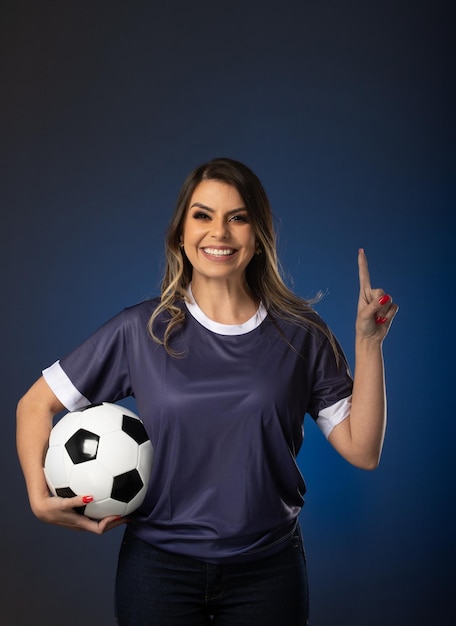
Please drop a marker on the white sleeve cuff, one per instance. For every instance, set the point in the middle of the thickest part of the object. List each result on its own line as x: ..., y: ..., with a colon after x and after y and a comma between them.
x: 333, y: 415
x: 63, y: 388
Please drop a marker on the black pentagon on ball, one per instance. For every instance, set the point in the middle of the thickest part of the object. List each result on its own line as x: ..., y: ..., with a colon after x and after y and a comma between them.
x: 65, y: 492
x: 134, y: 428
x: 82, y: 446
x: 126, y: 486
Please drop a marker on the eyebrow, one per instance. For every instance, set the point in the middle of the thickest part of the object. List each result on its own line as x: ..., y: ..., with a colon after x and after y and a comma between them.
x: 200, y: 205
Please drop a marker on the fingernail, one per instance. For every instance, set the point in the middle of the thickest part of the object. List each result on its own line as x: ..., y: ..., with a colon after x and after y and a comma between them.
x: 87, y: 499
x: 384, y: 299
x: 380, y: 320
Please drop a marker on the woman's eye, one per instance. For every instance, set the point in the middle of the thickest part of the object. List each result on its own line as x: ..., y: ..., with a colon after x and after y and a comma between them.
x: 201, y: 216
x: 240, y: 218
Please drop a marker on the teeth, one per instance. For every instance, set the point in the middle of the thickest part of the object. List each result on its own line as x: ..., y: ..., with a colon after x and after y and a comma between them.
x: 217, y: 252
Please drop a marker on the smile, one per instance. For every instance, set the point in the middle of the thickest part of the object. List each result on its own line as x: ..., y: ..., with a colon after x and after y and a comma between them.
x: 218, y: 251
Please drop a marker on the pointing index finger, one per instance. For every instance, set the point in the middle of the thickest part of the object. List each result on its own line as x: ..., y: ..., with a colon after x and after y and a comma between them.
x: 364, y: 278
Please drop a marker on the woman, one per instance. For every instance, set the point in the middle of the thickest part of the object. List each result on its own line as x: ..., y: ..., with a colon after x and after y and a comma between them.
x: 223, y: 366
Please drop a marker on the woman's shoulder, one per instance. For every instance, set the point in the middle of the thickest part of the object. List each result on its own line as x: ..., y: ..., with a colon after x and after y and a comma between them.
x: 305, y: 329
x: 304, y: 317
x: 139, y: 312
x: 145, y: 307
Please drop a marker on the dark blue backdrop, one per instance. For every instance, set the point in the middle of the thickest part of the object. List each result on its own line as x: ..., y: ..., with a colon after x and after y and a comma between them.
x: 343, y: 110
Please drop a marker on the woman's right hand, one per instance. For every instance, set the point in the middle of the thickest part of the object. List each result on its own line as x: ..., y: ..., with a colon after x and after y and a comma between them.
x: 61, y: 511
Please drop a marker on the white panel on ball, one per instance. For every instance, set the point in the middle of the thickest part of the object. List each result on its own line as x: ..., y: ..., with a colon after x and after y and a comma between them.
x: 112, y: 461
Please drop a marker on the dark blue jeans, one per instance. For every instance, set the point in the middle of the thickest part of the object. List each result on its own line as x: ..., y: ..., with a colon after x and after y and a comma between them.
x: 156, y: 588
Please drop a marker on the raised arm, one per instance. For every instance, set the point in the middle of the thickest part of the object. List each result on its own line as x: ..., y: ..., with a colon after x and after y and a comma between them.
x: 35, y: 413
x: 359, y: 438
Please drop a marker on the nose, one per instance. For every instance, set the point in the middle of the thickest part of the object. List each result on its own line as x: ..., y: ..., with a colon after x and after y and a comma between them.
x: 219, y: 228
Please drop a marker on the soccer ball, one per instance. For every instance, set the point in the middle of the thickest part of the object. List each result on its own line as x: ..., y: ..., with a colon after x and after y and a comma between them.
x: 100, y: 450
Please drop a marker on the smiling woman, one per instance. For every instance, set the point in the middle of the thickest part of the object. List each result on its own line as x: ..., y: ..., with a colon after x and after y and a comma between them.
x: 218, y: 532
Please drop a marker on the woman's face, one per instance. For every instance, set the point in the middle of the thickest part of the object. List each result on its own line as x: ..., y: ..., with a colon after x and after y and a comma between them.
x: 218, y: 237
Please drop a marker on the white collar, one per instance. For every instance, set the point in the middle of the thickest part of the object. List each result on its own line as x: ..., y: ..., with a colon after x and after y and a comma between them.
x: 224, y: 329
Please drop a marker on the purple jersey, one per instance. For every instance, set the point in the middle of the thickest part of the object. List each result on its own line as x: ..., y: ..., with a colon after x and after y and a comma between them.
x: 225, y: 419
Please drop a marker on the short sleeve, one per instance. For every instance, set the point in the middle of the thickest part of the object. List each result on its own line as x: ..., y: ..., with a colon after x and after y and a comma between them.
x: 331, y: 389
x: 97, y: 370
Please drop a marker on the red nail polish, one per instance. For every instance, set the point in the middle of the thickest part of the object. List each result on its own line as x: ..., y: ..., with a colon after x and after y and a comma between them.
x: 87, y: 499
x: 380, y: 320
x: 384, y: 299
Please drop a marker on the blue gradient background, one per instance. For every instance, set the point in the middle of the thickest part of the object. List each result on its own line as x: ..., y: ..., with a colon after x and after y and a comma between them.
x: 343, y: 110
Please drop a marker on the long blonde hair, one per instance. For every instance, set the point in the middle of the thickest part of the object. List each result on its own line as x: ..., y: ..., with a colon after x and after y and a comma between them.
x: 263, y: 273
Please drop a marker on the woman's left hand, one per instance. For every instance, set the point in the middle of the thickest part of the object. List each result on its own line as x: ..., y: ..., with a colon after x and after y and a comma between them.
x: 376, y: 309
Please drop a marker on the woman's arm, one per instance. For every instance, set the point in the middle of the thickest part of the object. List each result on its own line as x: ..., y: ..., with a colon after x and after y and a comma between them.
x: 359, y: 438
x: 35, y: 413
